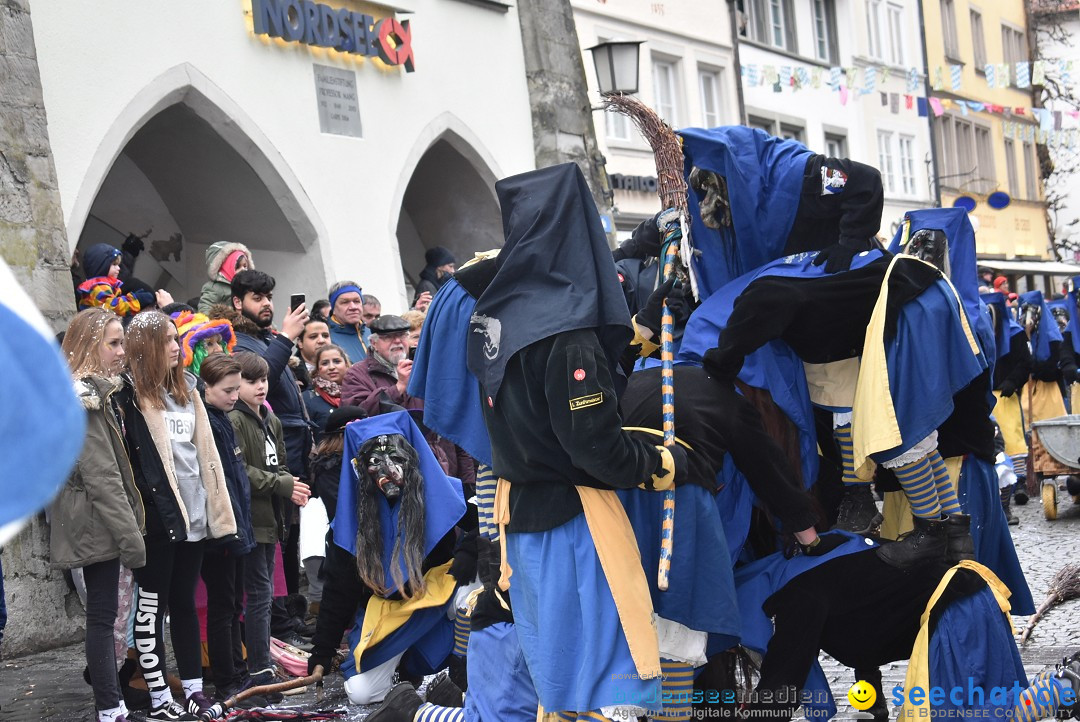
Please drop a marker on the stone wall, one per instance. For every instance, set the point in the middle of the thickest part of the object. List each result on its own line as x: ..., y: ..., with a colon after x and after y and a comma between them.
x: 561, y: 113
x: 42, y: 610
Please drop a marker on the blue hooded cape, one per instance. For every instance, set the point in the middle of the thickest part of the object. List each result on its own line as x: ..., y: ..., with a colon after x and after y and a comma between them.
x: 443, y: 498
x: 1047, y: 332
x: 441, y: 375
x: 764, y: 178
x: 1074, y: 316
x: 1007, y: 325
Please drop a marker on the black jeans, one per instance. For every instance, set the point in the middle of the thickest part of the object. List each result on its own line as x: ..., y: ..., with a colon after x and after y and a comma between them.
x: 102, y: 580
x: 223, y: 575
x: 168, y: 582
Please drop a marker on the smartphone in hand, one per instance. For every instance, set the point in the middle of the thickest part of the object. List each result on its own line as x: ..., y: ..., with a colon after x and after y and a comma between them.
x: 296, y: 300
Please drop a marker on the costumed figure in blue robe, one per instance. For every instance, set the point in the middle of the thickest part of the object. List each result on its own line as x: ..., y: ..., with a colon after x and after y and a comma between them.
x: 499, y: 686
x: 1012, y: 369
x: 944, y: 236
x: 756, y: 198
x: 545, y: 342
x: 950, y: 621
x: 389, y: 572
x: 1044, y: 398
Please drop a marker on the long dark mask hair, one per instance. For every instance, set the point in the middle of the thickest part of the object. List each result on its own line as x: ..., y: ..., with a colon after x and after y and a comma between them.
x: 388, y: 467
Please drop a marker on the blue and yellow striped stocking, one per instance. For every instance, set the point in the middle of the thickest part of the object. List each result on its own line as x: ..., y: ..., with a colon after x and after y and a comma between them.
x: 431, y: 713
x: 842, y: 434
x: 1020, y: 466
x: 917, y: 481
x: 1040, y: 700
x: 678, y: 691
x: 461, y: 632
x: 946, y: 490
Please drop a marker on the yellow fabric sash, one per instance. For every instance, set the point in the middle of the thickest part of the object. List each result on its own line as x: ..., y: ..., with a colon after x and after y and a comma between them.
x: 1007, y: 413
x: 620, y: 559
x: 918, y: 671
x: 617, y: 548
x: 873, y: 422
x: 1042, y: 400
x: 384, y: 616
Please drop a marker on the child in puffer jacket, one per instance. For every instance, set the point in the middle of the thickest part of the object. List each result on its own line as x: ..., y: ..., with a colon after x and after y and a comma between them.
x: 102, y: 285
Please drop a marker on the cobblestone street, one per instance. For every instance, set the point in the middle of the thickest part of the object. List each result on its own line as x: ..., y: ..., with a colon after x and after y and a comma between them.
x: 49, y: 685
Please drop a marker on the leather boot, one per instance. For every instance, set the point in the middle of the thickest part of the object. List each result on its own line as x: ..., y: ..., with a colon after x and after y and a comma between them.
x: 1006, y: 506
x: 400, y: 705
x: 927, y: 540
x: 442, y: 692
x: 858, y: 513
x: 880, y: 708
x: 961, y: 544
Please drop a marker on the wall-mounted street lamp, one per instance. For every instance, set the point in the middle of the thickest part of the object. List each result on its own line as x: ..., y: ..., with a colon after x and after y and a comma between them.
x: 617, y: 66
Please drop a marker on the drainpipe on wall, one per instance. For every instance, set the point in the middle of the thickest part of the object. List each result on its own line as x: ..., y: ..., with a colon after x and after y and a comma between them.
x: 733, y: 19
x: 936, y: 190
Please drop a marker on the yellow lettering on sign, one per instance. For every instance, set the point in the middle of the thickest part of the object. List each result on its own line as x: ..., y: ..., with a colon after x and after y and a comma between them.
x: 583, y: 402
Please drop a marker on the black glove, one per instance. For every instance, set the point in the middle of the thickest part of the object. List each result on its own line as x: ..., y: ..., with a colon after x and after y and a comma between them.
x: 316, y: 659
x: 133, y: 245
x: 824, y: 545
x: 1008, y: 388
x: 682, y: 464
x: 650, y: 315
x: 643, y: 243
x: 463, y: 568
x: 838, y: 256
x: 721, y: 366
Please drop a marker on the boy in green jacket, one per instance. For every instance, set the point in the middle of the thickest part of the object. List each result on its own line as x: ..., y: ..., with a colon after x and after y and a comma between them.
x: 258, y: 432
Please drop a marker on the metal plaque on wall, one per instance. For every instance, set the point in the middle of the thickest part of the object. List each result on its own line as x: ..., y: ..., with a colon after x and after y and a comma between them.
x: 335, y: 93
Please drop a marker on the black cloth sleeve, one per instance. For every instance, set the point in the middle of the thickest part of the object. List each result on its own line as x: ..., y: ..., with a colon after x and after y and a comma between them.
x: 584, y: 413
x: 759, y: 315
x: 343, y: 593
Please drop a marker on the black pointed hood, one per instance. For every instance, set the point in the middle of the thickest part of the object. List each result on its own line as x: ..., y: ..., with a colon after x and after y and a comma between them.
x: 555, y: 274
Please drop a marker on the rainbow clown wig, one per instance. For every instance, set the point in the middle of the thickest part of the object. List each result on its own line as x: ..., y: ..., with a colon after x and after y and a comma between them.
x: 193, y: 330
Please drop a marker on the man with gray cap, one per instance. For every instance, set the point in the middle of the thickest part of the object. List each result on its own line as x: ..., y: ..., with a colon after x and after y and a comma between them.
x: 384, y: 374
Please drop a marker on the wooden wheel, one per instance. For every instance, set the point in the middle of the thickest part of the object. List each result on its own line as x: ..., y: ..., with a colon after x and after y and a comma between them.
x: 1049, y: 499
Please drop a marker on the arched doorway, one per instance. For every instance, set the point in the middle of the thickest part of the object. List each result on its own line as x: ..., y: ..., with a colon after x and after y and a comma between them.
x: 187, y: 176
x: 448, y: 202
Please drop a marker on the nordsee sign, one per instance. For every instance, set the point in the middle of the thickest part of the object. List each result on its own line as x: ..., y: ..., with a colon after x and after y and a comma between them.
x: 311, y: 23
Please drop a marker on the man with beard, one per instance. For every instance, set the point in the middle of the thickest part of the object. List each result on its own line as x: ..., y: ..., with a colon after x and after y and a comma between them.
x: 384, y: 375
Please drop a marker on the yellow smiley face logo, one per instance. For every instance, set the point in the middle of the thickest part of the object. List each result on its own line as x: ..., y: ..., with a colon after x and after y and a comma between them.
x: 862, y: 695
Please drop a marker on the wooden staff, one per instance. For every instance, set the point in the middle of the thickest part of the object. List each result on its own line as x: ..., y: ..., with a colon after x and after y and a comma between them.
x: 219, y: 709
x: 671, y: 187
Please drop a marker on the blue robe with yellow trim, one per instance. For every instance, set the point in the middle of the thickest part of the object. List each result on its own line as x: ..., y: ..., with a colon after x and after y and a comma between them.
x: 428, y: 635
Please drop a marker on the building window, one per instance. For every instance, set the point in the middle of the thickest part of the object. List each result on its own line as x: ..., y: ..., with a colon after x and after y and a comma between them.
x: 885, y: 31
x: 665, y: 91
x: 1031, y: 171
x: 792, y: 132
x: 896, y: 33
x: 756, y: 121
x: 948, y: 26
x: 978, y: 41
x: 835, y: 146
x: 616, y: 125
x: 709, y: 85
x: 768, y: 21
x: 824, y: 30
x: 885, y: 160
x: 1010, y: 168
x: 873, y: 28
x: 1013, y: 46
x: 907, y: 164
x: 984, y: 157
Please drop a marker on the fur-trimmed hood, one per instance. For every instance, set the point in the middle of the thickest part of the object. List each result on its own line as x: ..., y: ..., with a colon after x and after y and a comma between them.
x: 92, y: 390
x: 216, y: 253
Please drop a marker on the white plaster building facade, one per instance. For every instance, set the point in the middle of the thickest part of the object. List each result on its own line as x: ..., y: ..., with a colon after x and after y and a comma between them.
x: 179, y: 117
x: 686, y: 74
x: 794, y: 52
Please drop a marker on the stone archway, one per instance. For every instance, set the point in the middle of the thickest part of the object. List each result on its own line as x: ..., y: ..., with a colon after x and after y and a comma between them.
x: 185, y: 164
x: 449, y: 201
